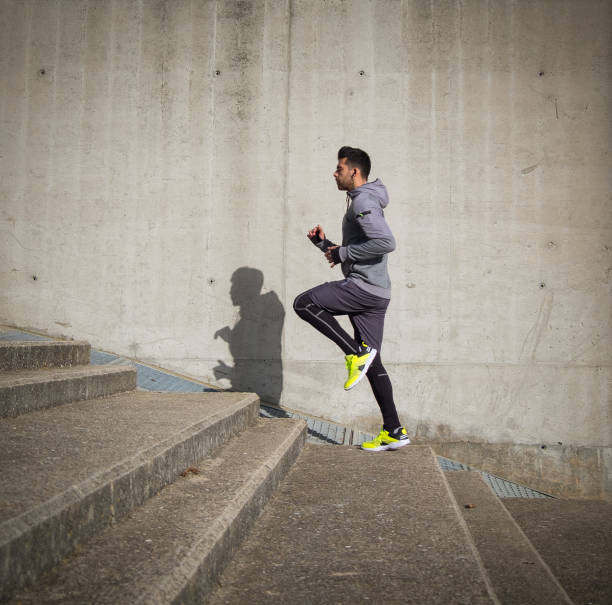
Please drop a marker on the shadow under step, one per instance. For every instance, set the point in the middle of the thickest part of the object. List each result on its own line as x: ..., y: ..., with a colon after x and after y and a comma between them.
x: 68, y: 472
x: 24, y: 391
x: 172, y: 549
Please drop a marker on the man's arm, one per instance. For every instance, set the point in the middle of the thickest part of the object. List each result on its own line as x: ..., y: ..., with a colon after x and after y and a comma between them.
x: 378, y: 237
x: 317, y: 236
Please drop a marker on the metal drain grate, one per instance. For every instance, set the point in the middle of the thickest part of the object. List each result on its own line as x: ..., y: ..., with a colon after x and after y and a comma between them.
x: 319, y: 431
x: 16, y: 335
x: 152, y: 379
x: 508, y: 489
x: 502, y: 487
x: 450, y: 465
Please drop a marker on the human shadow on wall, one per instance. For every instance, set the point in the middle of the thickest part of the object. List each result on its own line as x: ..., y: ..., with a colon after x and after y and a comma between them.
x: 255, y: 340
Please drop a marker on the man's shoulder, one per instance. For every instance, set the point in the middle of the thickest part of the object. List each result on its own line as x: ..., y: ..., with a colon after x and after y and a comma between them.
x: 365, y: 201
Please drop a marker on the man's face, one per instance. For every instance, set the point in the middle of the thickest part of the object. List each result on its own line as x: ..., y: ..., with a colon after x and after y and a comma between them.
x: 343, y: 175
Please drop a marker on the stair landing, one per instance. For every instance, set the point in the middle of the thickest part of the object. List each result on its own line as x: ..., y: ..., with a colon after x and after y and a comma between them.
x: 370, y: 528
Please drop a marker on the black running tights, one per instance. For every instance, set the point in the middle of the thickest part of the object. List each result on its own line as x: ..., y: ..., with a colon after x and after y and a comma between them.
x: 379, y: 380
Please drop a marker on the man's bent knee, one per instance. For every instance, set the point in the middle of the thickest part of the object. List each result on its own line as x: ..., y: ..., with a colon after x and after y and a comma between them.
x: 301, y: 302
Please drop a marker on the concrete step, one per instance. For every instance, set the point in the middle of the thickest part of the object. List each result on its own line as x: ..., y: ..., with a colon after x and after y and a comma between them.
x: 517, y: 572
x: 23, y: 391
x: 69, y: 471
x: 575, y: 539
x: 172, y: 549
x: 348, y: 526
x: 19, y: 355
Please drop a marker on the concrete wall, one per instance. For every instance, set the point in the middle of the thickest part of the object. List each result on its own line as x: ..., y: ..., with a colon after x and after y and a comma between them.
x: 162, y: 160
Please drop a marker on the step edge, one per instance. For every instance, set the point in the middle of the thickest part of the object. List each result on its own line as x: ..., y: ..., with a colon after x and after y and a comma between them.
x: 525, y: 540
x: 82, y: 371
x: 29, y: 354
x: 468, y: 536
x: 76, y: 497
x: 119, y: 470
x: 529, y: 544
x: 16, y: 398
x: 193, y: 579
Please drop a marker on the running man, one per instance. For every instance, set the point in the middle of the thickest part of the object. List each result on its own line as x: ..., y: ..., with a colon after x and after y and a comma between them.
x: 364, y: 293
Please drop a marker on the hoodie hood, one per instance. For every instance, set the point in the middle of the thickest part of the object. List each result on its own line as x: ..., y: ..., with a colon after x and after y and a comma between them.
x: 375, y: 189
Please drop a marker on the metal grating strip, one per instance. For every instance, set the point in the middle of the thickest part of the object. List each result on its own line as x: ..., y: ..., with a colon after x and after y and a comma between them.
x: 16, y: 335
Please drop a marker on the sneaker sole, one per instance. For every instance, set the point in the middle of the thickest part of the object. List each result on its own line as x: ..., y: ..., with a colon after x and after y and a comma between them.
x: 397, y: 444
x: 368, y: 363
x: 388, y: 446
x: 380, y: 448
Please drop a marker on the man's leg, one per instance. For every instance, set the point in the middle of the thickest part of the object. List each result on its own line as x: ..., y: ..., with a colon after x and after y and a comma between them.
x: 393, y: 435
x: 369, y: 326
x: 318, y: 307
x: 383, y: 393
x: 324, y: 321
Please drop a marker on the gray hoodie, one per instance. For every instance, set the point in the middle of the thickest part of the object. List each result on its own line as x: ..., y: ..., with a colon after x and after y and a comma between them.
x: 366, y: 239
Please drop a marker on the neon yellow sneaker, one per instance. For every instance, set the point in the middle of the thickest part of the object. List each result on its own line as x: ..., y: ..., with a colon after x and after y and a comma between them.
x: 357, y: 366
x: 384, y: 441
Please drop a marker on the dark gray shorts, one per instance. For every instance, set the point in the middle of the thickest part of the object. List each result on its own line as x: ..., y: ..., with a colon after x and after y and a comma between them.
x: 365, y: 311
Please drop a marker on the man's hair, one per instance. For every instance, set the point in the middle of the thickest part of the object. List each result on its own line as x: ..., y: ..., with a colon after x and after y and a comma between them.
x: 356, y: 158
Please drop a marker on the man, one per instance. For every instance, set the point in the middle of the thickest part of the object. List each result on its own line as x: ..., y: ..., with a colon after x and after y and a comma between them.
x: 364, y: 293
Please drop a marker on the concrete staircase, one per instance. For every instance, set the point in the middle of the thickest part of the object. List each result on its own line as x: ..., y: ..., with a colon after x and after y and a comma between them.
x: 352, y: 527
x: 111, y: 495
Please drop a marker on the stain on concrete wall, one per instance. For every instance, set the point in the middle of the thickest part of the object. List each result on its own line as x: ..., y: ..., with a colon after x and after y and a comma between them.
x: 149, y: 149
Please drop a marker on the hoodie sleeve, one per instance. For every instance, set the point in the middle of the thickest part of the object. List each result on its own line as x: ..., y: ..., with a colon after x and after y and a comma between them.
x: 378, y: 239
